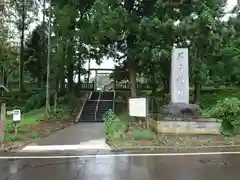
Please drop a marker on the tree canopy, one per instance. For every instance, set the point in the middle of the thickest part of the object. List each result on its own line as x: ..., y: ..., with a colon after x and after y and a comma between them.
x: 138, y: 35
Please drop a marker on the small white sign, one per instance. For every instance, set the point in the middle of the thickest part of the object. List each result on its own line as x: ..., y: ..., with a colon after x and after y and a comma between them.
x: 138, y: 107
x: 9, y: 112
x: 16, y: 115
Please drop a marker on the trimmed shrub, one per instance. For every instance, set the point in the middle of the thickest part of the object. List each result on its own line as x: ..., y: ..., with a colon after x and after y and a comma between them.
x: 228, y: 111
x: 113, y: 125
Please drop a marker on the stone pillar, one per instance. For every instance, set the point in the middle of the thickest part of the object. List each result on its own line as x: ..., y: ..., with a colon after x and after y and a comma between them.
x: 179, y: 76
x: 179, y: 106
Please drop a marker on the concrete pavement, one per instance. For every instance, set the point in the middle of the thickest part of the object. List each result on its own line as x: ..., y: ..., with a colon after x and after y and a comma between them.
x: 81, y: 136
x: 122, y: 166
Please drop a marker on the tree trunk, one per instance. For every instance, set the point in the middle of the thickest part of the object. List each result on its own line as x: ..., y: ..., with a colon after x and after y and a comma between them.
x: 5, y: 81
x: 21, y: 77
x: 56, y: 95
x: 62, y: 85
x: 39, y: 82
x: 197, y: 91
x: 166, y: 78
x: 44, y: 9
x: 70, y: 78
x: 47, y: 104
x: 132, y: 77
x: 70, y: 75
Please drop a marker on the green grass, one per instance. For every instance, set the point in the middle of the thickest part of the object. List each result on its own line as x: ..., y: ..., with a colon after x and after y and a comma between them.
x: 29, y: 118
x: 32, y: 117
x: 144, y: 134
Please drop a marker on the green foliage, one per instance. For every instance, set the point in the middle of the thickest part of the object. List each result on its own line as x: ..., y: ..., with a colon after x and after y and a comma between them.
x: 113, y: 125
x: 8, y: 127
x: 209, y: 97
x: 9, y: 133
x: 228, y: 110
x: 35, y: 101
x: 144, y: 134
x: 35, y: 54
x: 60, y: 112
x: 140, y: 32
x: 34, y: 133
x: 11, y: 137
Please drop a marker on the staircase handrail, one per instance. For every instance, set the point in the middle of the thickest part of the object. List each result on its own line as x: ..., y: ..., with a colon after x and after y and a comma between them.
x: 98, y: 101
x: 90, y: 96
x: 80, y: 112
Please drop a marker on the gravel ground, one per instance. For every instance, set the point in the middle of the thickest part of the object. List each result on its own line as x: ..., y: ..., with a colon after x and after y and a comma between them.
x: 179, y: 141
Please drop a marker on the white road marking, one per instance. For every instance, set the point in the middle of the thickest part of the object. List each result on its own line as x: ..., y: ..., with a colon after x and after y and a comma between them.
x: 88, y: 145
x: 118, y: 155
x: 65, y: 147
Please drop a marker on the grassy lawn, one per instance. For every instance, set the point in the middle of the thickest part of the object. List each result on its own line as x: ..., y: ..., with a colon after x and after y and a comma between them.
x: 32, y: 117
x: 34, y: 124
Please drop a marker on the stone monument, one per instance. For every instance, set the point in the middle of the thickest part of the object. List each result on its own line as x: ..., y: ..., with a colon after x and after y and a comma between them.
x: 179, y: 105
x: 180, y: 117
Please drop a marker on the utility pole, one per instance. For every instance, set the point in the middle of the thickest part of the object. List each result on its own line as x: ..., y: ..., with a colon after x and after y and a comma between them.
x: 47, y: 107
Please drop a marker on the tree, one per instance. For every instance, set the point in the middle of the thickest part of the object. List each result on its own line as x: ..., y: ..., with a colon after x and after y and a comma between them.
x: 8, y: 52
x: 35, y: 56
x: 21, y: 13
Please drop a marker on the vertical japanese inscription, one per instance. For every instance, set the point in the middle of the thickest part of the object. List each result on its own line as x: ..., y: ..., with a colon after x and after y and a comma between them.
x: 179, y: 76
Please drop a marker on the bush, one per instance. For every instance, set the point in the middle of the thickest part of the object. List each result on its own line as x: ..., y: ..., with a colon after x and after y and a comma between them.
x: 35, y: 101
x: 228, y: 110
x: 143, y: 135
x: 60, y: 113
x: 113, y: 125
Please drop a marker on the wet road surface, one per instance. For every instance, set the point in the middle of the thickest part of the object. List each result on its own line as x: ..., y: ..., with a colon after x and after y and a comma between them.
x: 121, y: 166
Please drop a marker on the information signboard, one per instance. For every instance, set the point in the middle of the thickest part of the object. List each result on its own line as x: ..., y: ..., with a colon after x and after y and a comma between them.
x: 138, y: 107
x: 16, y: 115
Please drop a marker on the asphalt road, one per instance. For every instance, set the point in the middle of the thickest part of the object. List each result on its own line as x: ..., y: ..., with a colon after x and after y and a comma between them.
x: 110, y: 166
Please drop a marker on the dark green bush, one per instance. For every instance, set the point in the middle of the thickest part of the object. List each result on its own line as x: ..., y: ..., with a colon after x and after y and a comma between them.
x: 228, y: 111
x: 35, y: 101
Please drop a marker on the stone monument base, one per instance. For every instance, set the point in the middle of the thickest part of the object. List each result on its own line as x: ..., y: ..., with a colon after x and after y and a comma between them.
x: 197, y: 126
x: 181, y: 110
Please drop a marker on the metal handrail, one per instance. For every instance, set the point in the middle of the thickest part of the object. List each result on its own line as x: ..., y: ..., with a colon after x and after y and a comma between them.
x: 98, y: 101
x: 80, y: 112
x: 90, y: 96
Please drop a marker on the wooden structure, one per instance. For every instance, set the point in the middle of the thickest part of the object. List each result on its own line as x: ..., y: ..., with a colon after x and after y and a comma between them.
x: 87, y: 86
x: 114, y: 85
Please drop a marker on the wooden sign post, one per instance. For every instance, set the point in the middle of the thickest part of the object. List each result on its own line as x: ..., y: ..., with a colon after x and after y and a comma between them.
x: 2, y: 120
